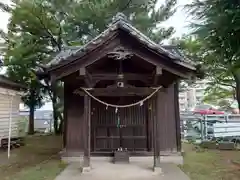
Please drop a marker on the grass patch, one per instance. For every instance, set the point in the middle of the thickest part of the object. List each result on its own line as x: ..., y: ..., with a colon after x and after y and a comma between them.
x: 211, y: 164
x: 45, y: 171
x: 37, y: 160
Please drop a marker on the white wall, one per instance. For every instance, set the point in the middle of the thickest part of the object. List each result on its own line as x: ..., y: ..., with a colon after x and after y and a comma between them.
x: 6, y: 110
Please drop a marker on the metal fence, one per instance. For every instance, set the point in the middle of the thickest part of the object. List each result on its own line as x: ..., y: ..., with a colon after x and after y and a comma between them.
x: 210, y: 127
x: 43, y: 120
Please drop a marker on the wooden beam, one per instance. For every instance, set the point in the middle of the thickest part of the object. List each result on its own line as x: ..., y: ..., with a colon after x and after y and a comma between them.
x: 90, y: 81
x: 157, y: 73
x: 148, y: 78
x: 96, y: 77
x: 136, y: 91
x: 82, y: 71
x: 170, y: 69
x: 115, y: 76
x: 84, y: 74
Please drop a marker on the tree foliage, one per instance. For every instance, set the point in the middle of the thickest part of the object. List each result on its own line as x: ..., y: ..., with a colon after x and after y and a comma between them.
x: 190, y: 50
x: 217, y: 28
x: 38, y: 29
x: 215, y: 94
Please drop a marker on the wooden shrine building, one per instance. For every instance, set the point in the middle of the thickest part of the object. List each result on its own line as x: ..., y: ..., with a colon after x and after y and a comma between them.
x: 121, y: 66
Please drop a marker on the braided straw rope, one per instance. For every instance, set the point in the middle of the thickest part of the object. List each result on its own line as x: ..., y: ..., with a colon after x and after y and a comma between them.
x: 119, y: 106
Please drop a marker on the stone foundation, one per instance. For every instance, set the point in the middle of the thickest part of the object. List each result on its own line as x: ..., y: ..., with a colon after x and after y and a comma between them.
x: 78, y: 157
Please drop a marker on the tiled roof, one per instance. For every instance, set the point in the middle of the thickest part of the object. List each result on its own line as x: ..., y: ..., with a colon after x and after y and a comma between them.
x: 66, y: 52
x: 176, y: 51
x: 119, y: 22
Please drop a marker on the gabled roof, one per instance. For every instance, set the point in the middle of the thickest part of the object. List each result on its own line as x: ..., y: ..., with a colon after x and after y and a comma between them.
x: 119, y: 22
x: 9, y: 84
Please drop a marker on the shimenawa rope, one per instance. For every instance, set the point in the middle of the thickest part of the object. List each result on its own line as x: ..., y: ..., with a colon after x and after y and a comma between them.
x: 119, y: 106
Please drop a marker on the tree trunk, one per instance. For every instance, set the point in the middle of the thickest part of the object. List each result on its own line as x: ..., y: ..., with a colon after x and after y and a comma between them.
x: 61, y: 126
x: 31, y: 115
x: 237, y: 80
x: 55, y: 115
x: 238, y: 93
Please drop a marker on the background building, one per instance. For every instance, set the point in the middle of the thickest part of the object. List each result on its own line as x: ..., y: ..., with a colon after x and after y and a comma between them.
x: 192, y: 95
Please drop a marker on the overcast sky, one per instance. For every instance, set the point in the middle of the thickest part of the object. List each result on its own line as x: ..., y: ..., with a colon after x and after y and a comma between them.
x: 180, y: 19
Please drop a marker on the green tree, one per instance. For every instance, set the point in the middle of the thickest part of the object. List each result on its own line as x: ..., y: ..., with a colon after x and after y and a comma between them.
x: 190, y: 49
x: 217, y: 26
x: 215, y: 94
x: 20, y: 60
x: 217, y: 87
x: 41, y: 28
x: 24, y: 49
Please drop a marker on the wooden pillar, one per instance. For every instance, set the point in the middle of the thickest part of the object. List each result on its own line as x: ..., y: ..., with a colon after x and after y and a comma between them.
x: 87, y: 130
x: 65, y: 116
x: 157, y: 119
x: 156, y: 140
x: 154, y: 133
x: 177, y: 117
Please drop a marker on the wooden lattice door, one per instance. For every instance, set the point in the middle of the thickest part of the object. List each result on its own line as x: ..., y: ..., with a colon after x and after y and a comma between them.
x: 125, y: 128
x: 133, y: 130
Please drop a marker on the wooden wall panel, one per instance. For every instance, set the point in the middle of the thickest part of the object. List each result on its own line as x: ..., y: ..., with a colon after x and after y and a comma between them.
x: 167, y: 120
x: 75, y: 117
x: 166, y: 115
